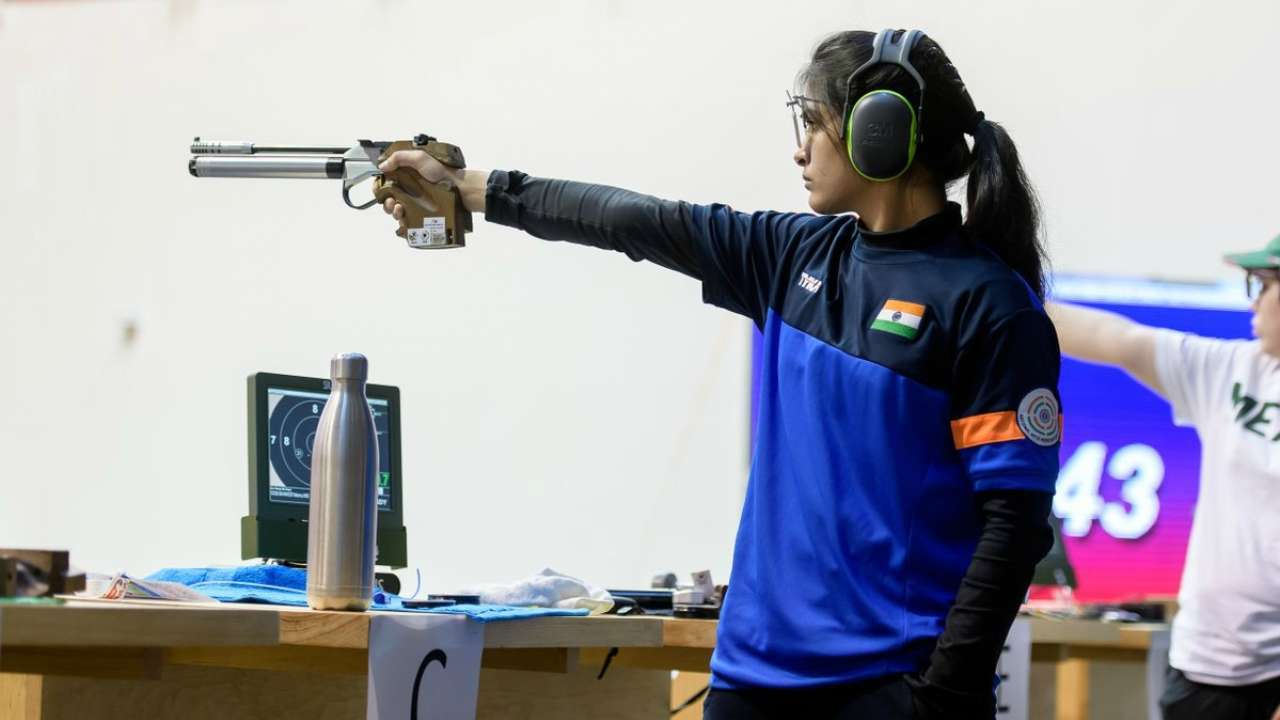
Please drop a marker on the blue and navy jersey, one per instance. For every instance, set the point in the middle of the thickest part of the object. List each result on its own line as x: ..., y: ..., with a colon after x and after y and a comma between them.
x: 903, y: 374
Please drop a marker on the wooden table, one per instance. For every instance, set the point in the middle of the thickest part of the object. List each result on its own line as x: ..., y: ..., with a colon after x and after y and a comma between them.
x: 1090, y: 670
x: 118, y: 659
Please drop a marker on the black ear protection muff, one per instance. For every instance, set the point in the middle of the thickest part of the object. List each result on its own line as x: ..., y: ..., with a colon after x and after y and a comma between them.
x: 881, y: 130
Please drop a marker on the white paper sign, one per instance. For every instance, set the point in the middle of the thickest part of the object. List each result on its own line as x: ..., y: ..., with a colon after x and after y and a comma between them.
x: 424, y: 667
x: 1014, y: 668
x: 1157, y: 661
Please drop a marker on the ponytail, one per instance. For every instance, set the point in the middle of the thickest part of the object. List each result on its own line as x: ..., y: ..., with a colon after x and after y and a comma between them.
x: 1004, y: 213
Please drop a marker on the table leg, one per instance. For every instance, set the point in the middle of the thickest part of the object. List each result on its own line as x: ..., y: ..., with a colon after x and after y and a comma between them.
x: 20, y: 696
x: 1072, y: 689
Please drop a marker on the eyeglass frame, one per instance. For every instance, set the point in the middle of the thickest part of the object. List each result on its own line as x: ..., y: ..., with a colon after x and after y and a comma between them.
x: 795, y: 103
x: 1263, y: 276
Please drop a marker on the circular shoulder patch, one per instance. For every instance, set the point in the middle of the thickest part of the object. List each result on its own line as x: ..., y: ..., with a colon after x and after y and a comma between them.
x: 1038, y: 417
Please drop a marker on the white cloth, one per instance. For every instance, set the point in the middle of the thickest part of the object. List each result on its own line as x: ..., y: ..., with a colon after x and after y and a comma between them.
x: 546, y: 589
x: 1227, y: 631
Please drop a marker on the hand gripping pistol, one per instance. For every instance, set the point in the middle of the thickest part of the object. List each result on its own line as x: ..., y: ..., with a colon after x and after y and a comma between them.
x: 433, y: 212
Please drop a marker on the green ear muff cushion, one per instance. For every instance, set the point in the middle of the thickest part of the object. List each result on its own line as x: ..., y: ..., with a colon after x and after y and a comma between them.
x: 880, y: 135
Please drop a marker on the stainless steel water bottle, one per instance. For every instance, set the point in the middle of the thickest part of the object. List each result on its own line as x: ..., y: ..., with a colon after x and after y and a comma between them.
x: 342, y: 529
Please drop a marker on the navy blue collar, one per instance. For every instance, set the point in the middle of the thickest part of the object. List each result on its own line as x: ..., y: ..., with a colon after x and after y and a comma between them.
x: 895, y: 245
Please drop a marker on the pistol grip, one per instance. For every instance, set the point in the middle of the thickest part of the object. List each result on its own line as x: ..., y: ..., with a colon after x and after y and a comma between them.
x: 434, y: 216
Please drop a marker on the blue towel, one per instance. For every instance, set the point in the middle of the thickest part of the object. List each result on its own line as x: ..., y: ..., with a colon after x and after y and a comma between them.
x: 492, y: 613
x: 271, y: 584
x: 282, y: 585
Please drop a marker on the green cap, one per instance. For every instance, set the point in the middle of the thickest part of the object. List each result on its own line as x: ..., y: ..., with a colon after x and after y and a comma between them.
x: 1267, y: 257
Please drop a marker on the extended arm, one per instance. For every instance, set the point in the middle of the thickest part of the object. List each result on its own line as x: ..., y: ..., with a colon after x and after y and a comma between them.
x: 1107, y: 338
x: 734, y: 254
x: 642, y: 227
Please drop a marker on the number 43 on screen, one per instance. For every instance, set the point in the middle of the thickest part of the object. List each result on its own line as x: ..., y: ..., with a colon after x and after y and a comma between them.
x: 1078, y: 501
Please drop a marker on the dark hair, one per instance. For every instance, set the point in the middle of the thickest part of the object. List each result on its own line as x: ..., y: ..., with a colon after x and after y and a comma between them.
x: 1003, y: 211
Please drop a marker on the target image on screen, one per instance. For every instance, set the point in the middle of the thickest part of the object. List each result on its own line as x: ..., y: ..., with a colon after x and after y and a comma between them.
x: 292, y: 419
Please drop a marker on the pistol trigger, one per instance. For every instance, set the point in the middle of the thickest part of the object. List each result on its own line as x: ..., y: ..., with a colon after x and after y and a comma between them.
x: 346, y: 198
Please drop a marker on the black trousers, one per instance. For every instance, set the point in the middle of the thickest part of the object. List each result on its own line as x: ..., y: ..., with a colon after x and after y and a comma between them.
x: 1187, y: 700
x: 880, y: 699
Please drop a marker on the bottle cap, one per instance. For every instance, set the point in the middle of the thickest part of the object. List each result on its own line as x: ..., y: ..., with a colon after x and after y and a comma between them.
x: 349, y: 366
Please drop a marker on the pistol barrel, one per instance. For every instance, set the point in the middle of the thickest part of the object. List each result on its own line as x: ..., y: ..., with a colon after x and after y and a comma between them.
x: 266, y: 166
x: 240, y: 147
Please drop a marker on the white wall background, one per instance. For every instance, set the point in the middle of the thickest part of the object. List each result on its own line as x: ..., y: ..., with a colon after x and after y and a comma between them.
x: 561, y: 406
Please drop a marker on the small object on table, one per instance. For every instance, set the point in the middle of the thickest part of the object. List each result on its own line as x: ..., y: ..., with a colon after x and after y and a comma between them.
x: 388, y: 582
x: 688, y: 597
x: 421, y: 604
x: 700, y: 601
x: 702, y: 583
x: 664, y: 581
x: 703, y: 612
x: 37, y: 573
x: 123, y: 587
x: 626, y: 607
x: 434, y: 601
x: 653, y: 601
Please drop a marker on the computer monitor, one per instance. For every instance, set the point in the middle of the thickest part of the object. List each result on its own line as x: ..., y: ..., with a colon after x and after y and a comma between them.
x: 284, y: 412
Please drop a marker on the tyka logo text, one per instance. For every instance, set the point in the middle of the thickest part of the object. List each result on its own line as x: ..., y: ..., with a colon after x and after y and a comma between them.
x: 809, y: 282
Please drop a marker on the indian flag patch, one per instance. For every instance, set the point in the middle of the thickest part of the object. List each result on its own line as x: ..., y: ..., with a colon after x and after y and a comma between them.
x: 900, y: 318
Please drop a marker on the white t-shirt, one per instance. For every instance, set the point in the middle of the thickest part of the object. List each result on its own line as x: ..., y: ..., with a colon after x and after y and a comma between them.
x: 1227, y: 631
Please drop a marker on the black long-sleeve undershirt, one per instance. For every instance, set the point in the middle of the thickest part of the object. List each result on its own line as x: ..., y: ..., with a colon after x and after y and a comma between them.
x: 1015, y: 533
x: 641, y: 227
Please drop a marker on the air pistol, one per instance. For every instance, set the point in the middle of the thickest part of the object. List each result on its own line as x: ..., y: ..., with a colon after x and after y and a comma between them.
x: 434, y: 216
